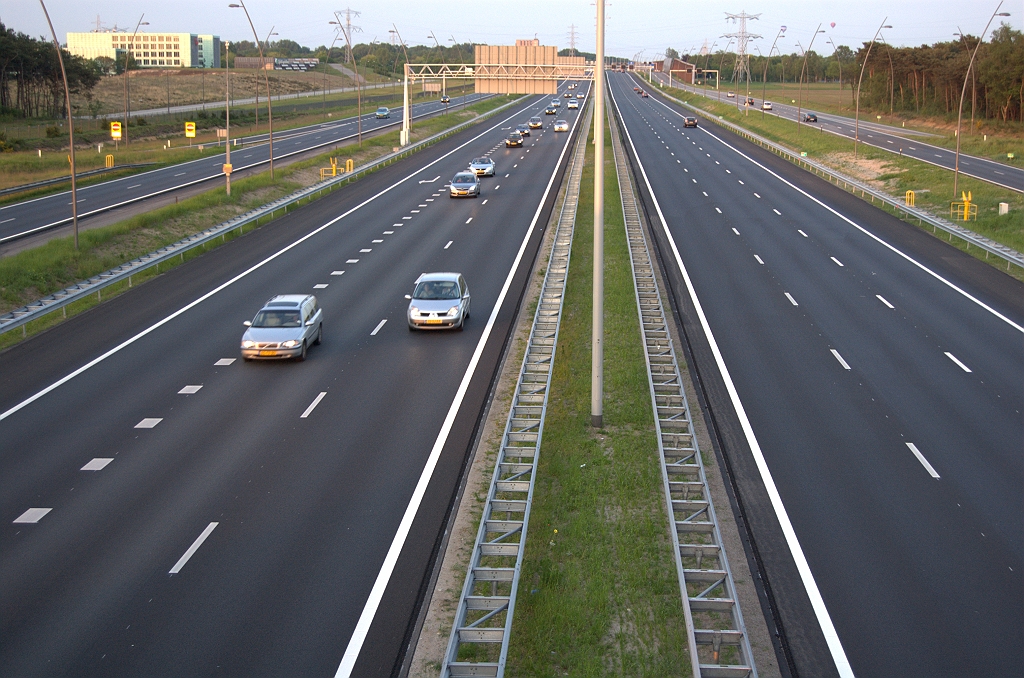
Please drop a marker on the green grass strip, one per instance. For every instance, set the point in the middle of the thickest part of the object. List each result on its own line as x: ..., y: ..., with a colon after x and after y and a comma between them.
x: 599, y: 593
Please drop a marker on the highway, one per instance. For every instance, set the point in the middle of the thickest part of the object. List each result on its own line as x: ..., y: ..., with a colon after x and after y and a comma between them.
x: 21, y: 219
x: 900, y: 141
x: 865, y: 384
x: 171, y: 510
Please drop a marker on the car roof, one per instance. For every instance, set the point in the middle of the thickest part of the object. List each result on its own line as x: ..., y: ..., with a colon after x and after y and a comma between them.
x: 482, y: 160
x: 465, y: 175
x: 439, y: 275
x: 286, y: 301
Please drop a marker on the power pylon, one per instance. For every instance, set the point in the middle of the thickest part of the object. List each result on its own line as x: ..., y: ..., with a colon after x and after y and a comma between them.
x: 742, y: 38
x: 348, y: 28
x: 572, y: 39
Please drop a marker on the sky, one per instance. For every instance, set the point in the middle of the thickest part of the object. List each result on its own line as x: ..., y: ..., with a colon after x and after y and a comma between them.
x: 633, y: 27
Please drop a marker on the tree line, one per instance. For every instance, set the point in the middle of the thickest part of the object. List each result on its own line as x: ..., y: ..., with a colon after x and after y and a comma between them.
x: 921, y: 80
x: 30, y: 79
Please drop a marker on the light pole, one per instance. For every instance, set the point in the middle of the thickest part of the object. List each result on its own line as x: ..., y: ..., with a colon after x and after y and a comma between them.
x: 270, y: 109
x: 127, y: 59
x: 856, y: 119
x: 718, y: 75
x: 963, y: 91
x: 327, y: 62
x: 403, y: 137
x: 892, y: 75
x: 800, y: 87
x: 227, y: 117
x: 764, y: 80
x: 835, y: 53
x: 461, y: 61
x: 597, y: 329
x: 359, y: 92
x: 444, y: 87
x: 974, y: 84
x: 704, y: 79
x: 71, y: 126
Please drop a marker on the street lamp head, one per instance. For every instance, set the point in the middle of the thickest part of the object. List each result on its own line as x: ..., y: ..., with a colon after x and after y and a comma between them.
x: 886, y: 26
x: 1003, y: 14
x: 234, y: 6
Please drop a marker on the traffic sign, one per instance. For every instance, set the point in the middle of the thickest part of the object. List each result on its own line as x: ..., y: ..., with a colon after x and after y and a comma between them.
x: 115, y: 130
x: 190, y: 130
x: 227, y: 169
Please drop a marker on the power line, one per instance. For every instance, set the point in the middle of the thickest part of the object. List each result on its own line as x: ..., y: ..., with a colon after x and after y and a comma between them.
x: 742, y: 38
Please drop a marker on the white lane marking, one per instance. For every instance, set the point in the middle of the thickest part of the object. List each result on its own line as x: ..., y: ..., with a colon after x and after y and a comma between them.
x: 838, y: 263
x: 705, y: 193
x: 364, y: 250
x: 190, y: 389
x: 497, y: 187
x: 377, y: 240
x: 135, y: 186
x: 351, y: 261
x: 728, y: 172
x: 33, y: 515
x: 396, y: 225
x: 828, y: 629
x: 423, y: 205
x: 469, y: 220
x: 693, y: 180
x: 506, y: 176
x: 222, y: 362
x: 741, y: 182
x: 791, y: 299
x: 355, y: 644
x: 316, y: 401
x: 149, y: 422
x: 924, y: 462
x: 718, y: 210
x: 449, y: 244
x: 97, y: 464
x: 882, y: 299
x: 389, y: 232
x: 430, y: 181
x: 735, y: 231
x: 414, y: 211
x: 842, y: 362
x: 377, y: 328
x: 777, y: 211
x: 952, y: 357
x: 801, y: 232
x: 192, y: 549
x: 320, y: 286
x: 759, y: 260
x: 337, y: 272
x: 686, y: 170
x: 516, y: 165
x: 406, y: 218
x: 428, y: 200
x: 180, y: 174
x: 485, y: 201
x: 6, y: 220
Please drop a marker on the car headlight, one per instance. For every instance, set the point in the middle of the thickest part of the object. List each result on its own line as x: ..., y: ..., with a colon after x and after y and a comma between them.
x: 291, y: 343
x: 453, y: 311
x: 413, y: 310
x: 248, y: 343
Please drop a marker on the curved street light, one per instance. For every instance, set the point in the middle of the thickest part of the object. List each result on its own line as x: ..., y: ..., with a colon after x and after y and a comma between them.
x: 266, y: 78
x: 856, y: 119
x: 764, y: 79
x: 327, y: 61
x: 960, y: 113
x: 127, y: 56
x: 704, y: 75
x: 800, y: 86
x: 718, y: 75
x: 835, y: 53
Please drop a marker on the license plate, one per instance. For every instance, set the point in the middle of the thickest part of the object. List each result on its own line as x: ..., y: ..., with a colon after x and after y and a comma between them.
x: 433, y: 321
x: 268, y: 352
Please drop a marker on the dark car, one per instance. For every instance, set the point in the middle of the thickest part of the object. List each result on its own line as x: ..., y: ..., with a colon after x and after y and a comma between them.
x: 550, y: 110
x: 810, y: 117
x: 445, y: 99
x: 750, y: 101
x: 523, y: 130
x: 514, y: 140
x: 644, y: 94
x: 689, y: 121
x: 465, y: 184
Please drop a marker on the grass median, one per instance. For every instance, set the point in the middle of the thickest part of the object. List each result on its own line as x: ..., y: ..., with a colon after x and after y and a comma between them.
x: 599, y: 593
x: 891, y: 172
x: 40, y: 271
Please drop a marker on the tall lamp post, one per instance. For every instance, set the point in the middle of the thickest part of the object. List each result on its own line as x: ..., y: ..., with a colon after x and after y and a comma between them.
x: 451, y: 38
x: 270, y: 108
x: 327, y: 62
x: 764, y: 80
x: 704, y: 79
x: 835, y: 53
x: 856, y: 119
x: 718, y: 75
x: 974, y: 84
x: 71, y: 125
x: 355, y: 65
x: 597, y: 329
x: 963, y: 91
x: 227, y: 117
x: 127, y: 59
x: 800, y: 87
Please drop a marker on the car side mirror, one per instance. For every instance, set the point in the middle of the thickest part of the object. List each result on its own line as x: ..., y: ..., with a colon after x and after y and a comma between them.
x: 408, y: 296
x: 309, y: 323
x: 248, y: 323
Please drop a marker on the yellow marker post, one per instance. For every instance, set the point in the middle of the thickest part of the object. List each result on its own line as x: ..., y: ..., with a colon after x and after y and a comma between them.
x: 109, y: 160
x: 910, y: 198
x: 349, y: 165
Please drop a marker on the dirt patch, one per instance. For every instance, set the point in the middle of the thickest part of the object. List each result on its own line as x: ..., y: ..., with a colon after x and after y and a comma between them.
x: 868, y: 170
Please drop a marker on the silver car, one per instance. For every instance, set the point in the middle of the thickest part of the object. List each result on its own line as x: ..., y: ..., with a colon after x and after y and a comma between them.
x: 438, y: 301
x: 464, y: 184
x: 284, y: 328
x: 561, y: 126
x: 482, y: 167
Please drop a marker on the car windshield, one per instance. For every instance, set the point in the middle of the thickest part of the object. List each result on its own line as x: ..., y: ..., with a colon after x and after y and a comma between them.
x: 277, y: 319
x: 464, y: 179
x: 480, y: 161
x: 436, y: 289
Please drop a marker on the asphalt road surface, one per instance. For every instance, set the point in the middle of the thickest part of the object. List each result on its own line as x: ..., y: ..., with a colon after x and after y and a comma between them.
x: 866, y: 384
x: 171, y: 510
x: 887, y: 138
x: 21, y: 219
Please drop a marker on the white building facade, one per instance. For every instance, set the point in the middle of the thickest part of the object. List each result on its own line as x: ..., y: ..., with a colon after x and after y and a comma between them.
x: 150, y: 50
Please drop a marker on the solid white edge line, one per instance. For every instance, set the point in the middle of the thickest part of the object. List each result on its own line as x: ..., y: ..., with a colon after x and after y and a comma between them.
x: 355, y: 644
x: 806, y: 576
x: 924, y: 462
x: 863, y: 230
x: 192, y: 549
x: 243, y: 274
x: 312, y: 405
x: 377, y: 328
x: 842, y: 362
x: 952, y: 357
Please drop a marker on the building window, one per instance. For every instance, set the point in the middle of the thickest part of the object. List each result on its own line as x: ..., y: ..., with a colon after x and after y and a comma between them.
x: 176, y: 62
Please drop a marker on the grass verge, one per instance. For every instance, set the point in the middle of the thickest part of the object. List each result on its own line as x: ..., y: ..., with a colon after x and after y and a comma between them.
x: 892, y: 173
x: 598, y: 593
x: 35, y: 273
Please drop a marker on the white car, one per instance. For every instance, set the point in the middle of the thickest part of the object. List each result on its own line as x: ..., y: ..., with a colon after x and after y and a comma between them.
x: 555, y: 103
x: 561, y: 126
x: 766, y: 106
x: 574, y: 104
x: 439, y: 301
x: 284, y: 328
x: 730, y: 95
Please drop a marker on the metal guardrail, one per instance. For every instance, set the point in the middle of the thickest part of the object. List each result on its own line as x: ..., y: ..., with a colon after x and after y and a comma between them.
x: 716, y: 635
x: 21, y: 316
x: 1010, y: 255
x: 488, y: 599
x: 59, y: 180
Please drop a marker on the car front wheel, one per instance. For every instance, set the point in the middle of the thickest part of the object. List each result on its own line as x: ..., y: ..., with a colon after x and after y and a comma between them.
x: 302, y: 356
x: 319, y: 335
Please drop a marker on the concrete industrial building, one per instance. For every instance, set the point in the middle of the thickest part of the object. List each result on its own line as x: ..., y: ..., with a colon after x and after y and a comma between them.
x: 150, y: 50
